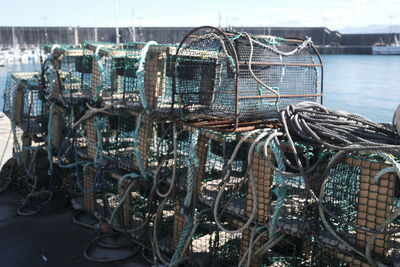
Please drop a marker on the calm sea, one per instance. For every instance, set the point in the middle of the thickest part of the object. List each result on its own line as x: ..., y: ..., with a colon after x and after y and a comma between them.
x: 363, y: 84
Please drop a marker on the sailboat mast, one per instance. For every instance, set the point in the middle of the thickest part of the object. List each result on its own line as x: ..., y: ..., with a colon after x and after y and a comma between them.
x: 116, y: 22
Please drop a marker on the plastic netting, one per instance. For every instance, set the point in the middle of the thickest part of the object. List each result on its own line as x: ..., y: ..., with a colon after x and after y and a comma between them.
x: 196, y: 184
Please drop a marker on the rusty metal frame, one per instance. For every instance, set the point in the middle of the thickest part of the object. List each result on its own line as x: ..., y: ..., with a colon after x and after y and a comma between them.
x: 234, y: 125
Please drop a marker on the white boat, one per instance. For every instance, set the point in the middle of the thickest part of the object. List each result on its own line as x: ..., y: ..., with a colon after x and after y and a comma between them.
x: 392, y: 49
x: 3, y: 58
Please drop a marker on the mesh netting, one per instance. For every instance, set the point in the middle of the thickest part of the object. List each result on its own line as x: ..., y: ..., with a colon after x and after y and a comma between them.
x: 239, y: 77
x: 175, y: 148
x: 22, y: 102
x: 136, y: 74
x: 68, y: 71
x: 356, y: 204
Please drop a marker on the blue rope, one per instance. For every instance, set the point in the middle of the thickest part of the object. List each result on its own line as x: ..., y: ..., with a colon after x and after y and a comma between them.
x: 17, y: 147
x: 185, y: 232
x: 99, y: 87
x: 51, y: 75
x: 98, y: 124
x: 129, y: 175
x: 96, y: 182
x: 49, y: 139
x: 260, y: 92
x: 280, y: 189
x: 142, y: 169
x: 192, y: 162
x: 140, y: 74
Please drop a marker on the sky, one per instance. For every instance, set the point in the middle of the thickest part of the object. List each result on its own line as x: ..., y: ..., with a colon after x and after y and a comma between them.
x: 335, y: 14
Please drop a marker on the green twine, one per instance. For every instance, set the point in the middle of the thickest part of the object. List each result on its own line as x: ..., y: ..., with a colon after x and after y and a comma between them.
x: 139, y: 161
x: 185, y: 232
x: 263, y: 102
x: 275, y: 41
x: 49, y: 139
x: 51, y: 75
x: 140, y: 74
x: 237, y: 36
x: 279, y: 190
x: 192, y: 162
x: 98, y: 125
x: 17, y: 147
x: 99, y: 87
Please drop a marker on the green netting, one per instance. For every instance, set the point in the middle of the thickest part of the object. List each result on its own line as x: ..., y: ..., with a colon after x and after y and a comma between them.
x: 22, y: 101
x: 68, y: 70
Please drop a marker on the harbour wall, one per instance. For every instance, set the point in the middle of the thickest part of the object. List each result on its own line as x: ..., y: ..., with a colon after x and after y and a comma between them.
x: 328, y: 41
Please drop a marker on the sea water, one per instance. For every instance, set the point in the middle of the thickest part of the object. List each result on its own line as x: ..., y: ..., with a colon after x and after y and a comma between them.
x: 364, y: 84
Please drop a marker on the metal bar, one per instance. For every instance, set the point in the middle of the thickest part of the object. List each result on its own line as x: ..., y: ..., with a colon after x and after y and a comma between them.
x: 280, y: 64
x: 281, y: 96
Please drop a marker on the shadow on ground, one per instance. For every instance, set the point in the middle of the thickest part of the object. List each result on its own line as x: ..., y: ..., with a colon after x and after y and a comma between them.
x: 49, y: 238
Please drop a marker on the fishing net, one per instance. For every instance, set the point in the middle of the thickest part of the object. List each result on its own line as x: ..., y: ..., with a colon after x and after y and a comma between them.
x: 238, y: 78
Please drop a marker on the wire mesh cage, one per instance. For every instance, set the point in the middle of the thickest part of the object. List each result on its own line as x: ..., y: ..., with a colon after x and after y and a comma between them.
x: 22, y: 101
x: 121, y: 139
x: 357, y: 212
x: 114, y: 73
x: 260, y: 249
x: 236, y: 78
x: 68, y: 73
x: 135, y: 74
x: 204, y: 243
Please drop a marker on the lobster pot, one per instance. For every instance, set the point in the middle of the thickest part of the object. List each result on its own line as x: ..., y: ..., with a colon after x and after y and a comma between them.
x: 323, y: 256
x: 157, y: 78
x: 71, y: 79
x: 114, y: 74
x: 94, y: 183
x: 355, y: 204
x: 290, y: 251
x: 241, y: 78
x: 209, y: 244
x: 22, y: 103
x: 125, y: 140
x: 220, y: 151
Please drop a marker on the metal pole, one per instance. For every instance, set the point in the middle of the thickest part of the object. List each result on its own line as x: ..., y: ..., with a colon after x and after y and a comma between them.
x: 13, y: 36
x: 116, y: 21
x: 76, y: 36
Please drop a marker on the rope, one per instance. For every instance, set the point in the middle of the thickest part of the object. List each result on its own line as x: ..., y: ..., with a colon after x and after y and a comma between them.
x: 140, y: 74
x: 99, y: 86
x: 279, y: 190
x: 139, y: 160
x: 126, y: 193
x: 50, y: 138
x: 192, y: 162
x: 272, y: 90
x: 304, y: 44
x: 16, y: 146
x: 251, y: 180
